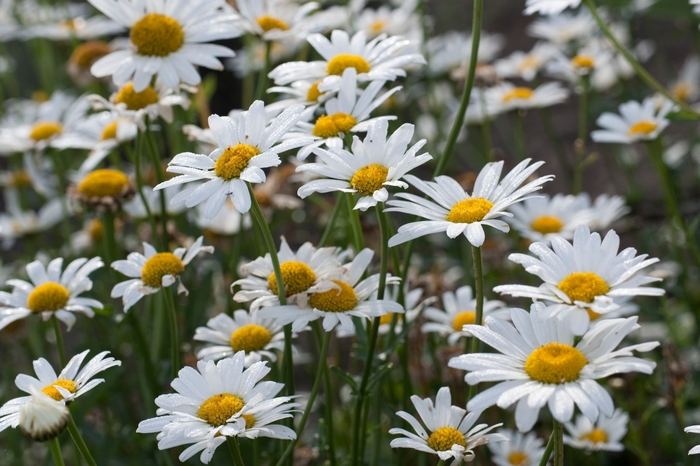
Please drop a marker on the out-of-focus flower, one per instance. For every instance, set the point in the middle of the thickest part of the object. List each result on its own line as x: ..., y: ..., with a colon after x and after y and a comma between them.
x: 565, y: 27
x: 510, y: 97
x: 636, y: 122
x: 521, y: 450
x: 17, y: 223
x: 105, y: 189
x: 451, y: 51
x: 605, y: 434
x: 277, y: 20
x: 549, y: 7
x: 526, y: 65
x: 687, y: 88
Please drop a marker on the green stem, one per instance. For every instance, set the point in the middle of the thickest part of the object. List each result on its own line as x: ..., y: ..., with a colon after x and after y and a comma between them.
x: 331, y: 221
x: 580, y: 144
x: 441, y: 463
x: 136, y: 160
x: 79, y: 442
x: 466, y: 93
x: 235, y: 451
x: 174, y: 340
x: 262, y: 77
x: 160, y: 176
x: 479, y: 295
x: 547, y: 451
x: 355, y: 225
x: 328, y: 389
x: 558, y: 434
x: 55, y: 449
x: 520, y: 135
x: 59, y: 340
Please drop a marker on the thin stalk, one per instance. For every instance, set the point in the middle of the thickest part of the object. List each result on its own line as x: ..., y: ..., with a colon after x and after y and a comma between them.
x: 331, y: 221
x: 558, y: 434
x: 479, y: 294
x: 136, y: 160
x: 59, y: 340
x: 355, y: 225
x: 547, y: 451
x: 235, y: 451
x: 174, y: 340
x: 160, y: 176
x: 55, y: 449
x: 441, y: 463
x: 79, y: 442
x: 328, y: 391
x: 520, y: 136
x: 466, y: 93
x: 580, y: 144
x: 262, y: 77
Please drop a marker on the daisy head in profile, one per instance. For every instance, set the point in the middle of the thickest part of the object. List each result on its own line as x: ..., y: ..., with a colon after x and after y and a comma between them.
x: 104, y: 189
x: 636, y: 122
x: 605, y: 434
x: 452, y: 210
x: 447, y: 431
x: 153, y: 270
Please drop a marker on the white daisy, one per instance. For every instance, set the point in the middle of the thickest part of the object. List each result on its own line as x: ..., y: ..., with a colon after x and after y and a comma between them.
x: 636, y: 122
x: 167, y: 40
x: 590, y: 60
x: 349, y: 297
x: 455, y: 211
x: 302, y: 92
x: 153, y: 270
x: 686, y: 87
x: 76, y: 27
x: 375, y: 164
x: 246, y: 332
x: 402, y: 21
x: 459, y: 310
x: 51, y: 292
x: 605, y: 434
x: 565, y: 27
x: 449, y: 431
x: 526, y: 65
x: 539, y: 364
x: 216, y: 401
x: 584, y: 277
x: 451, y: 51
x: 41, y: 418
x: 511, y: 97
x: 521, y: 450
x: 245, y: 147
x: 277, y: 20
x: 606, y: 211
x: 549, y: 7
x: 17, y: 223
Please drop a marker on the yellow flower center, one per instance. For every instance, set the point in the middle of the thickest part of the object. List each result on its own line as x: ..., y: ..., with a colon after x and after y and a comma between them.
x: 547, y: 224
x: 103, y: 183
x: 522, y: 93
x: 681, y: 91
x: 110, y: 131
x: 297, y: 277
x: 341, y: 62
x: 50, y: 296
x: 583, y: 286
x: 470, y: 210
x: 593, y: 315
x: 136, y: 100
x: 88, y: 53
x: 45, y: 130
x: 596, y: 436
x: 160, y: 265
x: 643, y: 127
x: 335, y: 300
x: 251, y: 337
x: 40, y: 96
x: 386, y: 318
x: 63, y: 383
x: 157, y: 35
x: 20, y: 179
x: 444, y: 437
x: 529, y: 62
x: 218, y: 409
x: 268, y: 23
x: 234, y: 160
x: 329, y: 126
x: 518, y: 458
x: 583, y: 62
x: 369, y: 179
x: 377, y: 26
x: 313, y: 94
x: 95, y: 230
x: 555, y: 363
x: 462, y: 319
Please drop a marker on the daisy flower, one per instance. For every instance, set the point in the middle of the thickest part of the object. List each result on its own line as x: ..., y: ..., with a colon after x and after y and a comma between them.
x: 564, y: 28
x: 447, y: 430
x: 219, y: 400
x: 636, y: 122
x: 401, y: 21
x: 85, y: 55
x: 526, y: 65
x: 51, y: 292
x: 153, y: 270
x: 276, y: 20
x: 245, y: 332
x: 451, y: 51
x: 460, y: 310
x: 456, y: 212
x: 375, y: 164
x: 349, y: 297
x: 521, y: 450
x: 76, y: 27
x: 17, y: 223
x: 606, y: 211
x: 585, y: 278
x: 686, y: 88
x: 166, y: 40
x: 104, y: 189
x: 41, y: 418
x: 245, y: 147
x: 549, y: 7
x: 605, y: 434
x: 511, y: 97
x: 540, y: 365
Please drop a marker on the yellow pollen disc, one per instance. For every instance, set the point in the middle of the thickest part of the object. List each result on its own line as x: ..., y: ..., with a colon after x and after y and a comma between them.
x: 50, y: 296
x: 583, y: 286
x: 444, y: 437
x: 297, y: 277
x: 45, y: 129
x: 234, y: 160
x: 341, y: 62
x: 335, y: 300
x: 547, y: 224
x: 20, y: 179
x: 555, y: 363
x: 377, y: 26
x: 522, y: 93
x: 110, y: 131
x: 462, y: 319
x: 251, y: 337
x: 313, y: 94
x: 218, y: 409
x: 40, y: 96
x: 469, y: 210
x: 88, y: 53
x: 155, y: 268
x: 596, y: 436
x: 103, y: 183
x: 593, y: 315
x: 268, y: 23
x: 583, y: 62
x: 643, y: 127
x: 386, y: 318
x: 518, y: 458
x: 95, y: 230
x: 329, y: 126
x: 136, y: 100
x: 681, y: 91
x: 157, y: 35
x: 63, y: 383
x: 369, y: 179
x: 529, y: 62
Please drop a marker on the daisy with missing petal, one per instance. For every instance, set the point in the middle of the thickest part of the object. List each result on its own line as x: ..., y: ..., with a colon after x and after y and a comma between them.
x: 521, y: 450
x: 153, y: 270
x: 459, y: 311
x: 51, y: 292
x: 447, y: 430
x: 605, y: 434
x: 167, y: 39
x: 277, y: 19
x: 245, y: 332
x: 216, y: 401
x: 375, y: 164
x: 246, y: 146
x: 549, y: 7
x: 585, y: 278
x: 510, y: 97
x: 636, y: 122
x: 540, y: 365
x: 456, y: 212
